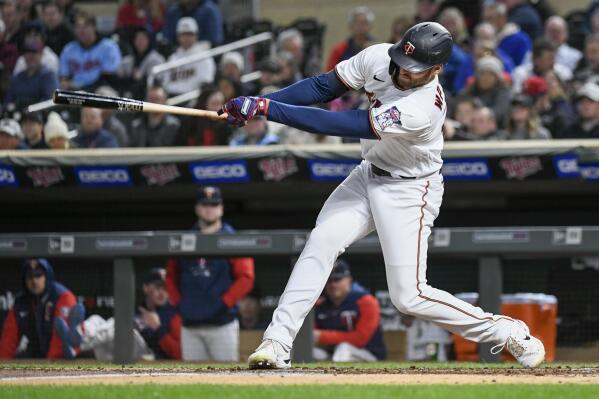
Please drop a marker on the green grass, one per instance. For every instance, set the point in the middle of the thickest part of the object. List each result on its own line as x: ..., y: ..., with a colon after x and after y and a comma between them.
x: 92, y: 364
x: 305, y: 392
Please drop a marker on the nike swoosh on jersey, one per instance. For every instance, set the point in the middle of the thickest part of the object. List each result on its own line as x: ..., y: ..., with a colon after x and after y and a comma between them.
x: 377, y: 79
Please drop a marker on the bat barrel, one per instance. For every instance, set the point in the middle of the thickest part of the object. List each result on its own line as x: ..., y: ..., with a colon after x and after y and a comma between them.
x: 83, y: 99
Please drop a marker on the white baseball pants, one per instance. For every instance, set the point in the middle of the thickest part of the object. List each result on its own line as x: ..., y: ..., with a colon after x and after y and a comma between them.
x: 344, y: 352
x: 219, y: 343
x: 402, y: 211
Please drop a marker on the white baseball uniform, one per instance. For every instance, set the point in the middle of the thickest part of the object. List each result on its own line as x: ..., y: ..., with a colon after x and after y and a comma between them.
x: 401, y: 207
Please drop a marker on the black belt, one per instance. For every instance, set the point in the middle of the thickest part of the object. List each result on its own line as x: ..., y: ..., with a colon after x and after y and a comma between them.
x: 382, y: 172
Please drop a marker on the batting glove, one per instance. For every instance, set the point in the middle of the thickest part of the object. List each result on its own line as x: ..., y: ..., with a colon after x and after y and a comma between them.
x: 242, y: 109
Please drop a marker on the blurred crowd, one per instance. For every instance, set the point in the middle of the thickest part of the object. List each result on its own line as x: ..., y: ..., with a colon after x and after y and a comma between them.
x: 518, y: 70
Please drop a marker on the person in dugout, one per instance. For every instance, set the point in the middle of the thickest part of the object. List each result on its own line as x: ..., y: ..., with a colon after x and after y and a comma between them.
x: 206, y: 289
x: 28, y: 330
x: 347, y: 326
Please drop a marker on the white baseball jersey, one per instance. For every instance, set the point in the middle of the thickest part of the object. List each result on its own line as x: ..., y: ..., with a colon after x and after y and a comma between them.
x: 408, y: 122
x: 189, y: 77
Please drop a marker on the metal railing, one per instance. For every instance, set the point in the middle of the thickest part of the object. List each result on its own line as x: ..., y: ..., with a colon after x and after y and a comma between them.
x: 240, y: 44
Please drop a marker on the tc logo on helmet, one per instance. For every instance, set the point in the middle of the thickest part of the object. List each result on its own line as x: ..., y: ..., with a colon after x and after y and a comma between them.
x: 409, y: 48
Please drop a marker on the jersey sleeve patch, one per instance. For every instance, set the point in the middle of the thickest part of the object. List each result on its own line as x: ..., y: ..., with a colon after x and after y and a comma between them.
x: 388, y: 118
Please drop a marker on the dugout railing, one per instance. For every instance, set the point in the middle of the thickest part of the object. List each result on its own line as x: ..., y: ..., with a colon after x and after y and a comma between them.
x: 489, y: 245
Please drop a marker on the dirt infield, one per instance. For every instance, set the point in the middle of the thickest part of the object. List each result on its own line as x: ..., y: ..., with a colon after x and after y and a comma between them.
x: 297, y: 376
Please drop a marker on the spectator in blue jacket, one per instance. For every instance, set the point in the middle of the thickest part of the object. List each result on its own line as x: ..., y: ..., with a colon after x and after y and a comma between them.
x: 206, y: 14
x: 87, y: 60
x: 511, y: 40
x: 36, y: 83
x: 91, y: 134
x: 453, y: 20
x: 255, y: 133
x: 525, y: 16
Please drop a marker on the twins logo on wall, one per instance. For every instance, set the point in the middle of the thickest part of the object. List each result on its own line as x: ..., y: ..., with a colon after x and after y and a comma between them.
x: 160, y: 174
x: 45, y: 176
x: 277, y: 168
x: 521, y: 167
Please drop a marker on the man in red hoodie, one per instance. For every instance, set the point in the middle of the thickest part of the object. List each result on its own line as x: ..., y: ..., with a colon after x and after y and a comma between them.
x: 33, y: 315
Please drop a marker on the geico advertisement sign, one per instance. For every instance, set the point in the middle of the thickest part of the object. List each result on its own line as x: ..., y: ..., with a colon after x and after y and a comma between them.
x: 219, y: 172
x: 102, y: 176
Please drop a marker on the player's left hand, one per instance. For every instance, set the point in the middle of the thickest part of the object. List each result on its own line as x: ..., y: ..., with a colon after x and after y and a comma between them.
x: 242, y: 109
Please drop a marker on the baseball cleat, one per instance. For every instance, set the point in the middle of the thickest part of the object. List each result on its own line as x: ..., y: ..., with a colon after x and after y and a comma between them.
x: 526, y: 349
x: 270, y: 355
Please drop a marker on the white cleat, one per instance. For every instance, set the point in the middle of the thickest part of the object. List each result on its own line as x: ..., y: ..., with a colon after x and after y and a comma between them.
x: 528, y: 350
x: 270, y: 355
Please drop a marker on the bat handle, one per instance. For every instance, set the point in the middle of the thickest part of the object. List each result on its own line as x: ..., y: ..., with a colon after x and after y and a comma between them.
x: 163, y: 108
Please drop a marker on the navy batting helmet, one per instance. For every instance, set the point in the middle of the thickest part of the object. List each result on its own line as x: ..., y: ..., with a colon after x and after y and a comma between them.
x: 422, y: 47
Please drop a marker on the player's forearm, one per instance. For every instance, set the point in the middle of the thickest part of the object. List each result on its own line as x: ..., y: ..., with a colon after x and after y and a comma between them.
x: 321, y: 88
x: 314, y: 120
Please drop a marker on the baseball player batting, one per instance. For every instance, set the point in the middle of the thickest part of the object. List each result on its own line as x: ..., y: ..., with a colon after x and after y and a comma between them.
x: 397, y: 189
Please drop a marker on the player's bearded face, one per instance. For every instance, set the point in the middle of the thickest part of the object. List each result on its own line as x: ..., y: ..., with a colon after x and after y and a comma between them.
x: 405, y: 80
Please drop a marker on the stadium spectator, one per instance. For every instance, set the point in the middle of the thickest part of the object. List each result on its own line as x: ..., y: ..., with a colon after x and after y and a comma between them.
x: 206, y: 290
x: 206, y: 14
x: 41, y: 301
x: 399, y: 26
x: 154, y: 129
x: 587, y: 125
x: 27, y: 9
x: 360, y: 25
x: 594, y: 21
x: 249, y: 312
x: 269, y: 78
x: 184, y: 78
x: 232, y: 65
x: 56, y: 132
x: 481, y: 48
x: 69, y: 10
x: 49, y: 58
x: 13, y: 22
x: 490, y: 88
x: 483, y: 126
x: 426, y: 10
x: 511, y: 40
x: 32, y: 125
x: 91, y: 134
x: 524, y: 123
x: 292, y: 41
x: 556, y: 30
x: 148, y: 14
x: 110, y: 122
x: 255, y: 132
x: 156, y: 333
x: 34, y: 84
x: 588, y: 66
x: 457, y: 127
x: 543, y: 60
x: 58, y: 33
x: 8, y: 52
x: 136, y: 67
x: 525, y: 16
x: 347, y: 322
x: 11, y: 135
x: 453, y: 20
x: 551, y: 102
x: 203, y: 131
x: 88, y: 60
x: 289, y: 72
x: 230, y: 88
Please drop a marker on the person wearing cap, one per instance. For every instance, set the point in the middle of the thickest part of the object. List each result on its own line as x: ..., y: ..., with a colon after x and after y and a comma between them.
x: 255, y: 132
x: 190, y: 76
x: 32, y: 125
x: 206, y: 14
x: 524, y: 122
x: 40, y: 303
x: 56, y: 132
x: 347, y: 320
x: 206, y: 289
x: 232, y: 65
x: 49, y: 59
x: 11, y: 135
x: 587, y: 125
x: 543, y: 60
x: 36, y: 82
x: 89, y: 59
x: 156, y: 333
x: 490, y: 87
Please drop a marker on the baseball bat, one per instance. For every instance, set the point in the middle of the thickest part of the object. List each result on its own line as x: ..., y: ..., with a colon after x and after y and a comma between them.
x: 122, y: 104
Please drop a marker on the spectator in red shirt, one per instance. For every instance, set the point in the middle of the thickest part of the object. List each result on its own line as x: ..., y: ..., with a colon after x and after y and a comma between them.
x: 360, y: 24
x: 347, y: 321
x: 148, y: 14
x: 42, y: 301
x: 206, y: 290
